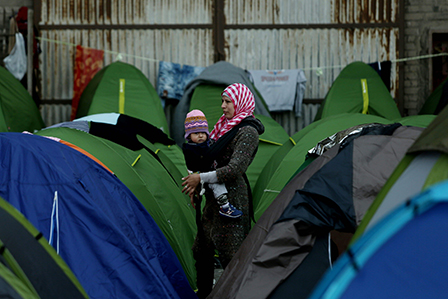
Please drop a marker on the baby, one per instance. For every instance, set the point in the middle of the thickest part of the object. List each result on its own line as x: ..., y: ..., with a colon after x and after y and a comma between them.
x: 198, y: 143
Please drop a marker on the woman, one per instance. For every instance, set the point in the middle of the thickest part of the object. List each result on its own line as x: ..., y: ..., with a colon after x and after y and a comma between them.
x: 235, y: 138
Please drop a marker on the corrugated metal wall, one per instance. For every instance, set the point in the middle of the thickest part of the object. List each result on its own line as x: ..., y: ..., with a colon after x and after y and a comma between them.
x: 321, y: 51
x: 310, y: 49
x: 143, y: 48
x: 319, y: 36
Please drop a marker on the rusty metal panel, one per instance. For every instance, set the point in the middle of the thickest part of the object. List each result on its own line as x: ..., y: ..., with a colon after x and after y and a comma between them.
x: 125, y: 12
x: 321, y: 53
x: 310, y: 12
x: 277, y: 12
x: 293, y: 124
x: 141, y: 48
x: 365, y: 11
x: 55, y: 113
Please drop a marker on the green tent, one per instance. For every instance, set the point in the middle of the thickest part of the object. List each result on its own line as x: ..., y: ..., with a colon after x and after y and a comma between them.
x: 425, y: 164
x: 358, y: 89
x: 207, y: 98
x: 122, y: 88
x: 158, y: 191
x: 430, y: 105
x: 18, y: 112
x: 30, y: 265
x: 277, y: 173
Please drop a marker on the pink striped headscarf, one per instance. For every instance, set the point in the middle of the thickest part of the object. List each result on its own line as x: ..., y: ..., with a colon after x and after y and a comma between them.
x: 244, y: 104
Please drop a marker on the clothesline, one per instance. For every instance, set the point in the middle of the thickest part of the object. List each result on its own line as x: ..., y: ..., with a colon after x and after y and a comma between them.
x: 318, y: 69
x: 119, y: 54
x: 396, y: 60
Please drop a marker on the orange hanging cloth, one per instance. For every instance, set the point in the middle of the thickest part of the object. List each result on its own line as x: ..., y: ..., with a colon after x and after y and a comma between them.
x: 88, y: 62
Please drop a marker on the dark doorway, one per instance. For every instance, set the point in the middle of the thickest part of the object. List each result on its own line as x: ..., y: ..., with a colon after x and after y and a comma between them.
x: 439, y: 63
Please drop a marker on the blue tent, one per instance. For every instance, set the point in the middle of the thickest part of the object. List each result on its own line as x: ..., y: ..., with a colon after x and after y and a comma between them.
x: 91, y: 218
x: 403, y: 256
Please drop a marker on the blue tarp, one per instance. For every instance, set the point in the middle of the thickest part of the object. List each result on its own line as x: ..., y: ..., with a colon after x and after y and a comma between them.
x: 97, y: 225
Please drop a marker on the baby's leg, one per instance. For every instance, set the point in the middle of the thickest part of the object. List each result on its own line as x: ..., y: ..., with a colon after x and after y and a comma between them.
x: 226, y: 209
x: 220, y: 193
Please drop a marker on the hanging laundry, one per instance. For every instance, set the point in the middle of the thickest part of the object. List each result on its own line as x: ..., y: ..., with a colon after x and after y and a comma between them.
x: 16, y: 61
x: 383, y: 69
x: 282, y: 90
x: 173, y: 77
x: 88, y: 62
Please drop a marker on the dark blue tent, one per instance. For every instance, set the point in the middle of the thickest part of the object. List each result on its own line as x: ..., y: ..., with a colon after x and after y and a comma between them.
x: 403, y: 256
x: 91, y: 218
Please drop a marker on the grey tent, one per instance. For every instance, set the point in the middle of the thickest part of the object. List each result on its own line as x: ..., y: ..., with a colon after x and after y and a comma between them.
x: 424, y: 165
x: 220, y: 73
x: 286, y: 252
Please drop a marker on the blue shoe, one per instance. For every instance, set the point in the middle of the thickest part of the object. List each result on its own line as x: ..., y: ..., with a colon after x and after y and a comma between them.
x: 231, y: 212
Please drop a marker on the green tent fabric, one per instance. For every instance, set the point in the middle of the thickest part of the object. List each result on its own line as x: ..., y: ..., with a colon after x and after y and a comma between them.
x: 123, y: 88
x: 273, y: 179
x: 170, y: 155
x: 32, y: 260
x: 207, y: 98
x: 12, y: 287
x: 430, y: 105
x: 425, y: 164
x: 358, y: 89
x: 18, y: 112
x: 421, y: 121
x: 151, y: 184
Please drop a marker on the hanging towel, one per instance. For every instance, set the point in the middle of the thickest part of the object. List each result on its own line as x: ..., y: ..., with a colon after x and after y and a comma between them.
x: 282, y: 90
x: 173, y: 77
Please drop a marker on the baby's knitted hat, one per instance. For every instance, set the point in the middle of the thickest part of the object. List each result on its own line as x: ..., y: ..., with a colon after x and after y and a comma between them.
x: 195, y: 122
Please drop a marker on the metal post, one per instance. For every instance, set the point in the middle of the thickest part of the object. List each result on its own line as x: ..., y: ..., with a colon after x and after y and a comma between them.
x: 30, y: 54
x: 401, y: 42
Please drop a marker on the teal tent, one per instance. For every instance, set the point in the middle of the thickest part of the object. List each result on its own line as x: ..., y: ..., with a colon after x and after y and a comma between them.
x: 402, y: 256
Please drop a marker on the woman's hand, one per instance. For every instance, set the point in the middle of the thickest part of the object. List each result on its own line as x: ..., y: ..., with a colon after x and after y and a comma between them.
x: 190, y: 183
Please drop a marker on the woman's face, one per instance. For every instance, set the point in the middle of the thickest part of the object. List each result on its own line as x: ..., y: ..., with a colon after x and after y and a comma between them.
x: 227, y: 107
